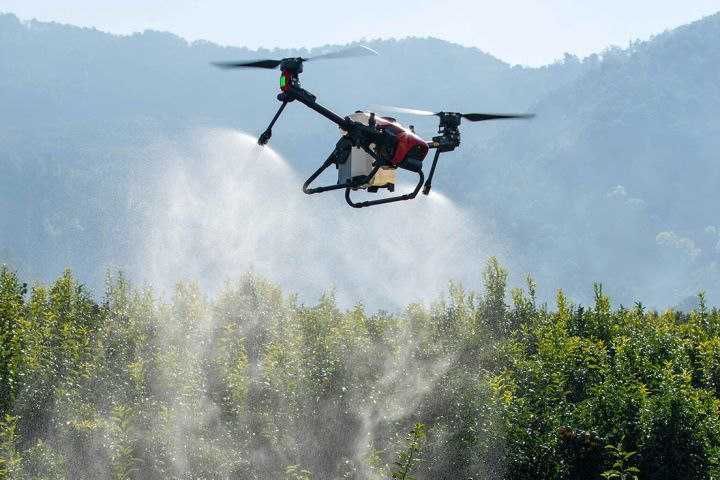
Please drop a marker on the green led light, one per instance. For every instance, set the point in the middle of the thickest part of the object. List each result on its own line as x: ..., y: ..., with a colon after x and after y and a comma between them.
x: 283, y: 81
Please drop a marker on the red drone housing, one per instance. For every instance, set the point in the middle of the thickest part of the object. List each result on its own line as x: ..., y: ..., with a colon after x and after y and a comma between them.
x: 408, y: 145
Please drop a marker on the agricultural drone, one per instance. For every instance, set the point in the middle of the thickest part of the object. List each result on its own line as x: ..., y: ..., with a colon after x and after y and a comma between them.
x: 372, y: 146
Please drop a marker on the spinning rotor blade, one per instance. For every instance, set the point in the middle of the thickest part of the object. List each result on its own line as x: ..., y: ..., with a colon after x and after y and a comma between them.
x: 357, y: 51
x: 472, y: 117
x: 479, y: 117
x: 410, y: 111
x: 269, y: 64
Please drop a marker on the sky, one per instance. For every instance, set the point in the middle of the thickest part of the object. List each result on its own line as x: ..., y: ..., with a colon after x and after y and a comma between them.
x: 528, y: 32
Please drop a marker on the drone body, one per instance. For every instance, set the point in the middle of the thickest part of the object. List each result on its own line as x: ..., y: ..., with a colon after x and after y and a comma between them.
x: 371, y: 147
x: 358, y: 163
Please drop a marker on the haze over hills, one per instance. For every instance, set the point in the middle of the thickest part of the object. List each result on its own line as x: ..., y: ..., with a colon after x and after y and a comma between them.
x: 615, y: 181
x: 627, y: 156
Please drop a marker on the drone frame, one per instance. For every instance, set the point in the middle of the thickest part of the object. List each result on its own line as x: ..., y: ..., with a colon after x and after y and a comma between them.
x: 358, y: 135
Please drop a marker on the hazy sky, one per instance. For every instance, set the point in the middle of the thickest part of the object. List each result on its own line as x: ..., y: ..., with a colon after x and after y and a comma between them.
x: 518, y: 31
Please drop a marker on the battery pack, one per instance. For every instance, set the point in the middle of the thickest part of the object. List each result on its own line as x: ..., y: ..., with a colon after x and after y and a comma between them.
x: 360, y: 163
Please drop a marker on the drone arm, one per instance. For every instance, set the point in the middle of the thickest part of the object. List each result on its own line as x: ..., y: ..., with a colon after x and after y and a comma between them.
x: 309, y: 100
x: 448, y: 141
x: 428, y: 184
x: 265, y: 137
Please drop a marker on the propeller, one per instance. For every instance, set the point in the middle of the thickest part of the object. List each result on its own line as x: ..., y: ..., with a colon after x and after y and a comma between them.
x: 269, y: 64
x: 479, y: 117
x: 472, y: 117
x: 356, y: 51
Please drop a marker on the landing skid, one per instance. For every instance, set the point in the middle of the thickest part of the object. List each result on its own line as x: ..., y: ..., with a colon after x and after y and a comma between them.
x: 350, y: 184
x: 339, y: 155
x: 397, y: 198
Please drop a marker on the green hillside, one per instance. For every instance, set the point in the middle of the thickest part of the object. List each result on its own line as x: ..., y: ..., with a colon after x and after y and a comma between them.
x: 619, y: 174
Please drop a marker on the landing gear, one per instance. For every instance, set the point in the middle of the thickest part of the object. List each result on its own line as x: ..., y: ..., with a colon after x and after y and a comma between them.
x: 338, y: 157
x: 397, y: 198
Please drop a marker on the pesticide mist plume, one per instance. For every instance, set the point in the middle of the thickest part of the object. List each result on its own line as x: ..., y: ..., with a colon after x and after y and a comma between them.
x: 224, y: 206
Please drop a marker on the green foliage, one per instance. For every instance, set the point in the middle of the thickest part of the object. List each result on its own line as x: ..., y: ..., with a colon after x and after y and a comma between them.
x: 10, y: 459
x: 409, y: 457
x: 125, y: 463
x: 295, y: 472
x: 12, y: 303
x: 622, y: 463
x: 42, y: 462
x: 494, y: 307
x: 254, y: 385
x: 577, y: 379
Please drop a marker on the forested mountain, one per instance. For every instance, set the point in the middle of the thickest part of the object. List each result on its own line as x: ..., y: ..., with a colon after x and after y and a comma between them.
x: 615, y: 181
x: 620, y: 175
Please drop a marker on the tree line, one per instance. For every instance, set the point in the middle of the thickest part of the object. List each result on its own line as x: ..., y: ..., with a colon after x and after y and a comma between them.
x: 254, y: 384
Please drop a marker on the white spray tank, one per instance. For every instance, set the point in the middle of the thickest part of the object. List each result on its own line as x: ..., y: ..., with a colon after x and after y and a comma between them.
x: 359, y: 164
